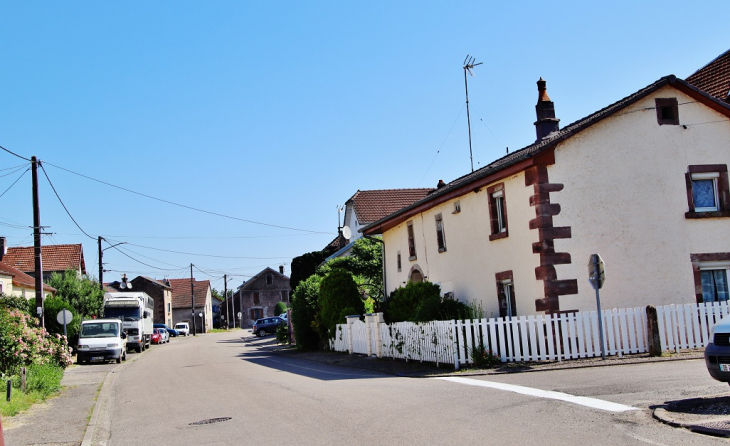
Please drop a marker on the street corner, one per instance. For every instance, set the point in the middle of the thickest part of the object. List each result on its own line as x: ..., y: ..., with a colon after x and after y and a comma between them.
x: 706, y: 415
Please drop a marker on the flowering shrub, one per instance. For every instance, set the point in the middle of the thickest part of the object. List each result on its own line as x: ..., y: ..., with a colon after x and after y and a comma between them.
x: 483, y: 358
x: 23, y: 342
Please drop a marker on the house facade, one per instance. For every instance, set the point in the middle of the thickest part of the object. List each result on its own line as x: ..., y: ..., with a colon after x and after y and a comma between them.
x: 642, y: 182
x: 257, y: 297
x: 14, y: 282
x: 182, y: 304
x: 55, y: 259
x: 159, y: 290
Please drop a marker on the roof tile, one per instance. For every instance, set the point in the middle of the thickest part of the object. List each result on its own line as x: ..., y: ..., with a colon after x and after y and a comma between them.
x: 714, y: 78
x: 372, y: 205
x: 55, y: 258
x: 181, y: 292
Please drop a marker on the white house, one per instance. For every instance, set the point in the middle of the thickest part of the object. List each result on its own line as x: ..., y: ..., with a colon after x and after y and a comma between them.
x: 643, y: 182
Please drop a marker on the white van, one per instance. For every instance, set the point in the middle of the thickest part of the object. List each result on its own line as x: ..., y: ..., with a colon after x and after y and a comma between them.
x: 183, y: 328
x: 102, y: 340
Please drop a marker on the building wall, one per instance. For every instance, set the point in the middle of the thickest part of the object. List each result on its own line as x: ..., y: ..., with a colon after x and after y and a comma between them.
x: 269, y: 296
x: 162, y: 297
x: 184, y: 315
x: 625, y: 198
x: 9, y: 289
x: 471, y: 261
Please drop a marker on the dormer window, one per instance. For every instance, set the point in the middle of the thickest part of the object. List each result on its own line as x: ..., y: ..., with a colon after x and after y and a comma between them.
x: 667, y: 111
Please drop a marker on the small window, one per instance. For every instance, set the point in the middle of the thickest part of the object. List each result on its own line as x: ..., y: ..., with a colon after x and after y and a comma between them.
x: 707, y: 191
x: 497, y: 211
x: 457, y: 207
x: 255, y: 297
x: 411, y: 242
x: 169, y: 307
x: 667, y: 111
x: 257, y: 313
x: 440, y: 236
x: 284, y: 296
x: 269, y: 279
x: 506, y: 294
x: 400, y: 267
x: 714, y: 284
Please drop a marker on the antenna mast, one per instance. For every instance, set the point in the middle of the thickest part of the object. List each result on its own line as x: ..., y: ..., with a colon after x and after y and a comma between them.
x: 468, y: 66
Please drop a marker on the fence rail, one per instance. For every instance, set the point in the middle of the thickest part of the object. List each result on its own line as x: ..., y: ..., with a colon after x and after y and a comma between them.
x: 554, y: 337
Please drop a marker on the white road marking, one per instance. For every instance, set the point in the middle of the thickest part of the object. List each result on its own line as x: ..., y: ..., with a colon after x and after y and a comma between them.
x: 581, y: 400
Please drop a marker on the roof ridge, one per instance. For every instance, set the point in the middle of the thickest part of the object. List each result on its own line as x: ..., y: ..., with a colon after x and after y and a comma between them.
x: 709, y: 63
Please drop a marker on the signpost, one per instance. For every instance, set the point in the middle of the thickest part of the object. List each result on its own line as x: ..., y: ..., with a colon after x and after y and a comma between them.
x: 596, y: 276
x: 64, y: 317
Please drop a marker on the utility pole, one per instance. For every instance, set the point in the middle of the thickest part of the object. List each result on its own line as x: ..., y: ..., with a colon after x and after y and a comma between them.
x: 225, y: 296
x: 101, y: 267
x: 37, y: 243
x: 192, y: 297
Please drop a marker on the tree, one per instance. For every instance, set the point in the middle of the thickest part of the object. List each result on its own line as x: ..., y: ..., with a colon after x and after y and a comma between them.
x: 83, y: 293
x: 338, y: 297
x: 51, y: 307
x: 304, y: 266
x: 304, y: 313
x: 219, y: 294
x: 366, y: 266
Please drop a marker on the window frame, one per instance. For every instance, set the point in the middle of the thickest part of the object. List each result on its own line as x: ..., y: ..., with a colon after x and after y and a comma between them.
x: 708, y: 262
x: 256, y: 298
x: 507, y: 299
x: 499, y: 223
x: 663, y: 104
x: 440, y: 233
x: 717, y: 173
x: 412, y: 253
x: 399, y: 262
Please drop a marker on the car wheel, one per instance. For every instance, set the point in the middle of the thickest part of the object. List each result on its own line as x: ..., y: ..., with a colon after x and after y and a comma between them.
x: 119, y: 359
x: 138, y: 349
x: 124, y: 355
x: 261, y: 333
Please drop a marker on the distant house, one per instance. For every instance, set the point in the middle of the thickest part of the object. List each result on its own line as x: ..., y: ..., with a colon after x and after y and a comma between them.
x: 182, y: 304
x: 367, y: 206
x: 14, y: 282
x: 257, y: 297
x: 159, y: 290
x: 55, y: 259
x: 216, y: 311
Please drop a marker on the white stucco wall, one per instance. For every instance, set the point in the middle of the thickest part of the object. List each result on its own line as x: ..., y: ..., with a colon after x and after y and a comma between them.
x: 468, y: 266
x: 625, y: 198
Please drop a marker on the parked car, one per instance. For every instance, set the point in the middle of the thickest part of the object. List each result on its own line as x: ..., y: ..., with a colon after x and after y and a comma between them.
x: 183, y: 328
x: 160, y: 336
x: 284, y: 316
x: 265, y: 326
x: 717, y: 352
x: 170, y: 331
x: 102, y: 340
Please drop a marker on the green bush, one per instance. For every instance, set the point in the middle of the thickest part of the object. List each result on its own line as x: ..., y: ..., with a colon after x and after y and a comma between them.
x: 338, y: 297
x: 404, y: 302
x: 83, y: 293
x: 282, y: 334
x: 51, y: 307
x: 17, y: 302
x: 304, y: 311
x: 279, y: 308
x: 483, y: 358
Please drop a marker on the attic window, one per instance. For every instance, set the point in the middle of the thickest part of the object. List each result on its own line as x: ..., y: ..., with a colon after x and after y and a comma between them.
x: 667, y: 111
x: 457, y: 207
x: 269, y: 279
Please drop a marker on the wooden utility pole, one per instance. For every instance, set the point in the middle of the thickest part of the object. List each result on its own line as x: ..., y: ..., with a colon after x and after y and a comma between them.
x: 101, y: 267
x: 225, y: 298
x: 37, y: 243
x: 192, y: 297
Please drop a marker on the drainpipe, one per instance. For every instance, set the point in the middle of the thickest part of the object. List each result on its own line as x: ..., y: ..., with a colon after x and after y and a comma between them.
x: 370, y: 237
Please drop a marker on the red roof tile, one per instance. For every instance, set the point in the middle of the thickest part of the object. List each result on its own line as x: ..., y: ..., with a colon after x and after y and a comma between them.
x: 714, y: 78
x: 55, y: 258
x: 372, y: 205
x: 21, y: 279
x: 181, y: 292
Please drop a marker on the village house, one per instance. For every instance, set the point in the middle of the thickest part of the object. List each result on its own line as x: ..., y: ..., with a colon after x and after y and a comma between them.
x: 257, y: 297
x: 643, y: 182
x: 159, y: 290
x: 55, y: 259
x: 14, y: 282
x: 183, y: 307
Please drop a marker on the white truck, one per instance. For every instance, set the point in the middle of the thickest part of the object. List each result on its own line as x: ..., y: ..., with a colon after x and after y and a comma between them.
x: 101, y: 340
x: 134, y: 309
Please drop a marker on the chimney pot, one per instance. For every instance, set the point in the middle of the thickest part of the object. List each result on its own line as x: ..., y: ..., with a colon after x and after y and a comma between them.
x: 440, y: 184
x: 546, y: 122
x: 3, y: 247
x: 281, y: 269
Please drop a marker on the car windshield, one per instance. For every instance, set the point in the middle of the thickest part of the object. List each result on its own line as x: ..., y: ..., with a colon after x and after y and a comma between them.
x: 99, y: 330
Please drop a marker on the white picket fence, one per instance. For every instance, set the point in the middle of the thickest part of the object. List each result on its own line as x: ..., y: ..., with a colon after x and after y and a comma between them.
x: 531, y: 338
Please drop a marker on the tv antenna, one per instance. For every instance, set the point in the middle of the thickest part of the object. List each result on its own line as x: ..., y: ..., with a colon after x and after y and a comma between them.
x: 340, y: 210
x: 469, y: 67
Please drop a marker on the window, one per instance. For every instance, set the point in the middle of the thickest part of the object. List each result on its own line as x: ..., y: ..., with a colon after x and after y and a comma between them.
x: 257, y: 313
x: 169, y: 307
x: 440, y: 236
x: 707, y: 191
x: 667, y: 111
x: 711, y: 276
x: 1, y: 284
x: 269, y: 279
x: 411, y: 242
x: 506, y: 294
x: 255, y: 297
x: 497, y: 211
x: 400, y: 268
x: 457, y: 207
x: 284, y: 296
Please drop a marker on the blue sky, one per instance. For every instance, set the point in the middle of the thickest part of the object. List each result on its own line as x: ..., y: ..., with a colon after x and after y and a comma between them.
x: 277, y: 112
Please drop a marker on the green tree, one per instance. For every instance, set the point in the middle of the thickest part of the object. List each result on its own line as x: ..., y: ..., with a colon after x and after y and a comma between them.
x: 219, y: 294
x: 365, y: 263
x: 338, y: 297
x: 304, y: 313
x: 51, y: 307
x: 404, y: 302
x: 83, y: 293
x: 304, y: 266
x: 17, y: 302
x: 279, y: 308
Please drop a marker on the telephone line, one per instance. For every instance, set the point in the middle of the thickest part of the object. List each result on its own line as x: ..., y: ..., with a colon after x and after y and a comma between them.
x: 11, y: 186
x: 62, y: 204
x: 13, y: 153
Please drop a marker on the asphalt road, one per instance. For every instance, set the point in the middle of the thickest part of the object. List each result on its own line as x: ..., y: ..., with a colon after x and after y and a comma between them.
x: 275, y: 399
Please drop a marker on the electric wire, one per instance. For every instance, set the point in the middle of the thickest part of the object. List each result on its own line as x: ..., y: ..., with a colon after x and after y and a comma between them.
x: 62, y: 204
x: 13, y: 153
x: 14, y: 167
x: 186, y: 206
x: 11, y: 186
x: 143, y: 263
x: 442, y: 144
x: 150, y: 258
x: 202, y: 255
x: 17, y: 169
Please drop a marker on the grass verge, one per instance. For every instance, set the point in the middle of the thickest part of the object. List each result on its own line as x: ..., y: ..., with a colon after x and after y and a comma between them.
x: 42, y: 381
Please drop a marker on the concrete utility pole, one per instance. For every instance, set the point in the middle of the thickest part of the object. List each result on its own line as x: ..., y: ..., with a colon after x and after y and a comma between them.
x: 192, y: 297
x: 37, y: 243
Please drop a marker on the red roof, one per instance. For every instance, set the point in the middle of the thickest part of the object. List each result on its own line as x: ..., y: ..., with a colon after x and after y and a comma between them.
x: 55, y: 258
x: 714, y: 78
x: 372, y: 205
x: 21, y: 279
x: 181, y: 292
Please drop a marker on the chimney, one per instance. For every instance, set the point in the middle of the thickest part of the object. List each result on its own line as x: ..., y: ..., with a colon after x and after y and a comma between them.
x: 281, y: 269
x: 546, y: 122
x: 440, y: 184
x: 3, y: 247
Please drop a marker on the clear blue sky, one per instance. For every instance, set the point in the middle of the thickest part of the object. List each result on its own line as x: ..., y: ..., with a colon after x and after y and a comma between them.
x: 278, y: 112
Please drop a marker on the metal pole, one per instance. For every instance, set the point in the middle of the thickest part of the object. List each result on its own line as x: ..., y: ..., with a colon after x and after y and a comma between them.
x: 192, y: 297
x: 37, y: 243
x: 64, y: 323
x: 598, y: 304
x: 101, y: 267
x: 468, y: 120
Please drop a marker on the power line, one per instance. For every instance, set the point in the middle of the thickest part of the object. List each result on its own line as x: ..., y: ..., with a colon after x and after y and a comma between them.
x: 14, y: 167
x: 10, y: 187
x: 150, y: 258
x: 145, y: 264
x: 188, y: 207
x: 13, y: 153
x: 17, y: 169
x: 64, y: 206
x: 442, y: 144
x: 203, y: 255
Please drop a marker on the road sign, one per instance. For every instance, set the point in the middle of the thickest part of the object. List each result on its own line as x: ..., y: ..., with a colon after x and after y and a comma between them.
x: 239, y: 315
x: 64, y: 314
x: 596, y: 271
